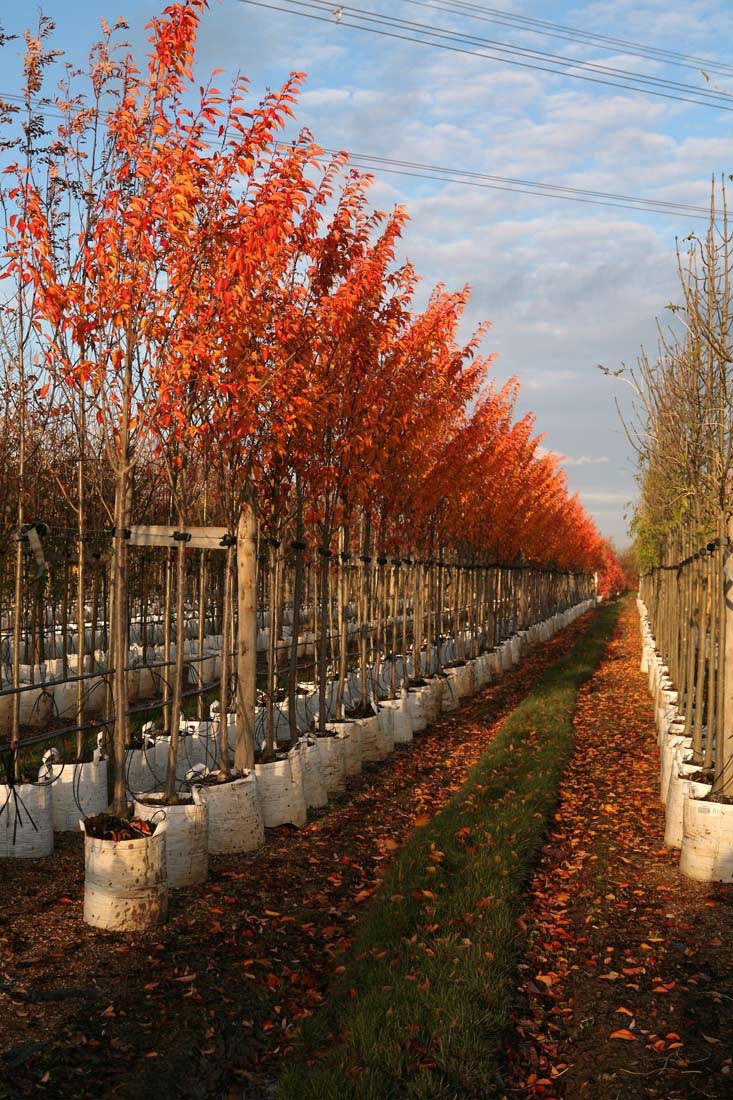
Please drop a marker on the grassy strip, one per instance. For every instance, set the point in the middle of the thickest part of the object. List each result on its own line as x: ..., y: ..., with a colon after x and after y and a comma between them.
x: 423, y: 1002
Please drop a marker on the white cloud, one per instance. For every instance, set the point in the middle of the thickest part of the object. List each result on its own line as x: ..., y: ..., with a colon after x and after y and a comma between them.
x: 585, y: 460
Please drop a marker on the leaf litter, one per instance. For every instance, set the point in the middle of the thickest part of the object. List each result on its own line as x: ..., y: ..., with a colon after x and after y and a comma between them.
x: 212, y: 1000
x: 641, y: 957
x: 626, y: 980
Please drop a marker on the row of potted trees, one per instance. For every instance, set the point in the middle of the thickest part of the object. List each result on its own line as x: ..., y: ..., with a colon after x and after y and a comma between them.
x: 131, y: 864
x: 224, y: 819
x: 698, y: 818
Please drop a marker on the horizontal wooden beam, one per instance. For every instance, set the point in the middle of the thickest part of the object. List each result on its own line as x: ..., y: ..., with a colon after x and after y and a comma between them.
x: 197, y: 538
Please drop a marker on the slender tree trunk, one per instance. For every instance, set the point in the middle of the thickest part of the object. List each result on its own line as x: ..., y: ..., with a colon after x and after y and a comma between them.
x: 226, y: 619
x: 178, y: 669
x: 343, y: 617
x: 17, y: 625
x: 364, y: 604
x: 244, y: 754
x: 298, y: 547
x: 405, y: 574
x: 119, y: 627
x: 273, y: 599
x: 439, y: 623
x: 325, y: 617
x: 201, y: 632
x: 167, y: 641
x: 394, y: 581
x: 723, y: 784
x: 119, y: 639
x: 81, y: 578
x: 380, y: 597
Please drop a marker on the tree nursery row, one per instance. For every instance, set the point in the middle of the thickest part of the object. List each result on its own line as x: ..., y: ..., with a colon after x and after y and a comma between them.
x: 237, y: 436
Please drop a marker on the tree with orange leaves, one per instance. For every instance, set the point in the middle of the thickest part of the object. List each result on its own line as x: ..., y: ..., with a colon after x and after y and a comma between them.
x: 122, y: 242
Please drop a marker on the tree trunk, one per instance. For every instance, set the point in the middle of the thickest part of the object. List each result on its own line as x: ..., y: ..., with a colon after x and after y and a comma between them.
x: 118, y: 629
x: 244, y: 754
x: 342, y: 603
x: 298, y: 546
x: 272, y: 639
x: 724, y: 752
x: 226, y: 619
x: 178, y: 669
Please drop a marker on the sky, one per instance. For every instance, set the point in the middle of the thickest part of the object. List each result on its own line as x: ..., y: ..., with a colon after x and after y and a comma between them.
x: 460, y: 112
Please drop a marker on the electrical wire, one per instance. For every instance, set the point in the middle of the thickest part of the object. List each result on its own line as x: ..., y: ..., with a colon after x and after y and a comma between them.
x: 529, y: 187
x: 376, y: 164
x: 466, y: 177
x: 575, y: 34
x: 609, y: 76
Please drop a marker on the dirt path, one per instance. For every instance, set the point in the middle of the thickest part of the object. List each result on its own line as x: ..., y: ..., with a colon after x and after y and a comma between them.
x: 627, y: 987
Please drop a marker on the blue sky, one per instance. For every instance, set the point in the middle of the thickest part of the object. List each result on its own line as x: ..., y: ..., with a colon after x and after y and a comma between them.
x: 565, y: 284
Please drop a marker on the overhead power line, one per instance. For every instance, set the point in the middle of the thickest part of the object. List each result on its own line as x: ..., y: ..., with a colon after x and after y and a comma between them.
x: 370, y: 162
x: 376, y: 164
x: 467, y: 177
x: 574, y: 34
x: 442, y: 38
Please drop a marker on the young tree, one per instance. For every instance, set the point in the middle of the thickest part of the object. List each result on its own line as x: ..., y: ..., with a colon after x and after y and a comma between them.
x: 124, y: 277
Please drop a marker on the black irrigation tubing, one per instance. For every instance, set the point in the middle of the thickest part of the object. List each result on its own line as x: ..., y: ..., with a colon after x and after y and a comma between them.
x: 51, y: 683
x: 13, y: 794
x: 709, y: 549
x: 326, y: 553
x: 108, y: 720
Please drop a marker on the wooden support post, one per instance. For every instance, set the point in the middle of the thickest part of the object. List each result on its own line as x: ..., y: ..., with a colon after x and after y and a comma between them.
x: 724, y: 747
x: 244, y: 754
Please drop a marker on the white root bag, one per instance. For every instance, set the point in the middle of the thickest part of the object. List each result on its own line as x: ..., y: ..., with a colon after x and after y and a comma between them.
x: 437, y: 689
x: 332, y: 750
x: 670, y: 745
x: 235, y: 817
x: 26, y: 821
x: 187, y: 837
x: 202, y: 746
x: 314, y: 781
x: 449, y: 699
x: 402, y: 721
x: 385, y: 717
x: 373, y: 745
x: 480, y: 672
x: 352, y: 745
x: 125, y: 882
x: 460, y: 677
x: 77, y: 790
x: 6, y: 714
x: 36, y: 707
x: 413, y: 703
x: 141, y: 774
x: 471, y: 675
x: 681, y: 787
x: 64, y: 700
x: 281, y: 793
x: 707, y: 841
x: 432, y: 694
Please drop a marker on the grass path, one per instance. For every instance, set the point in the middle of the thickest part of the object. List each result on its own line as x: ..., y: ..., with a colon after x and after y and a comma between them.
x: 423, y: 1004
